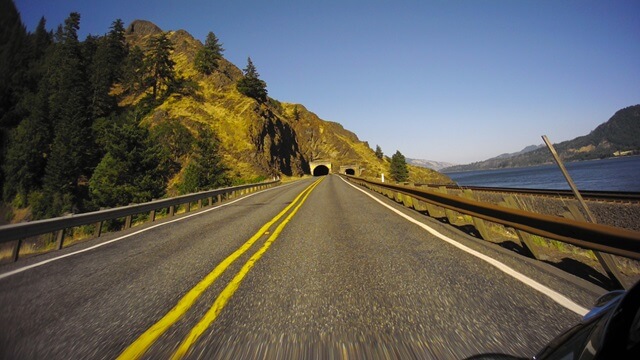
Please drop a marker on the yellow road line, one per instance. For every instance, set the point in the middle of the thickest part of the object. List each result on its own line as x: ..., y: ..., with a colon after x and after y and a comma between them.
x: 231, y: 288
x: 142, y: 343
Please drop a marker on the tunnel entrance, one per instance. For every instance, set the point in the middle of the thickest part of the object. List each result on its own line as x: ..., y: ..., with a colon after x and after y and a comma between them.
x: 321, y: 170
x: 350, y: 172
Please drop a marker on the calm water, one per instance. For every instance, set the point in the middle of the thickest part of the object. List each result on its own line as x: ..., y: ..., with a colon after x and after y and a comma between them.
x: 617, y: 174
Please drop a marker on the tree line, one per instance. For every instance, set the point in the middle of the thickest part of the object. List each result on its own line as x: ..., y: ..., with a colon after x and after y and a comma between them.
x: 66, y: 145
x: 398, y: 169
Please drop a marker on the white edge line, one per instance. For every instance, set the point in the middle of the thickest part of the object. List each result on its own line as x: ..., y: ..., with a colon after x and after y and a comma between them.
x: 28, y: 267
x: 554, y: 295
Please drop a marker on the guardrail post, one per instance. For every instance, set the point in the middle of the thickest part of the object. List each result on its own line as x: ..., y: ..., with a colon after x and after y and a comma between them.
x: 219, y: 198
x: 479, y: 224
x: 59, y: 239
x: 199, y: 203
x: 127, y: 221
x: 15, y: 252
x: 152, y: 215
x: 172, y: 210
x: 451, y: 215
x: 407, y: 201
x: 98, y: 229
x: 606, y: 260
x: 210, y: 199
x: 525, y: 238
x: 420, y: 205
x: 187, y: 207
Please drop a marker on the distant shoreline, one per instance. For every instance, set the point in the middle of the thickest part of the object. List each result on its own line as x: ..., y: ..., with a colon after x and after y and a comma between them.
x: 536, y: 165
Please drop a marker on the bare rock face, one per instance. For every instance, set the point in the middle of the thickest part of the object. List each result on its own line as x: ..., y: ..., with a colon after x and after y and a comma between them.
x: 277, y: 145
x: 142, y: 28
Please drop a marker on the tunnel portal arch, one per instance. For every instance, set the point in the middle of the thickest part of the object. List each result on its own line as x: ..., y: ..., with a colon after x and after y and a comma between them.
x: 350, y: 172
x: 320, y: 170
x: 320, y: 167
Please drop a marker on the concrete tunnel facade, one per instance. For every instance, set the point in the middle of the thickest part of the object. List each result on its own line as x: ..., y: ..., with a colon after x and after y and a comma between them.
x: 320, y: 168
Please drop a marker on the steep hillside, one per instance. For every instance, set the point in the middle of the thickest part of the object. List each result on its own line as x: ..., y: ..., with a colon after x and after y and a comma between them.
x: 257, y: 139
x: 620, y: 135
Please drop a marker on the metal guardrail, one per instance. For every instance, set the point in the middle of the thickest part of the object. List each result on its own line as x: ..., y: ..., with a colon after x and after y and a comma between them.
x: 596, y: 237
x: 25, y: 230
x: 588, y: 194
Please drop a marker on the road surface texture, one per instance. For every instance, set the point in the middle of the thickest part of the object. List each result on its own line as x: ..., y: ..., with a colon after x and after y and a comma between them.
x: 337, y: 274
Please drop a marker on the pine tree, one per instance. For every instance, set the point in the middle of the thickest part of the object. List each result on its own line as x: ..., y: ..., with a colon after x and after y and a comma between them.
x: 131, y: 171
x: 72, y: 148
x: 25, y: 148
x: 159, y: 63
x: 206, y: 60
x: 28, y: 148
x: 106, y: 69
x: 13, y: 38
x: 379, y: 153
x: 399, y: 171
x: 251, y: 85
x: 133, y: 70
x: 176, y: 140
x: 205, y: 170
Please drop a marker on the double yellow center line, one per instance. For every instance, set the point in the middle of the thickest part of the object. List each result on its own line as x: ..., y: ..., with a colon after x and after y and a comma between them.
x: 144, y: 342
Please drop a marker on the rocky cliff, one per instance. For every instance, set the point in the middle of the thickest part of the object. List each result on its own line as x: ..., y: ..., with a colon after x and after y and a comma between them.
x: 257, y: 139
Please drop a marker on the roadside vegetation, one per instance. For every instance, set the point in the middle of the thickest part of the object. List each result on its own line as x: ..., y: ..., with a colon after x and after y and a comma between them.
x: 68, y: 145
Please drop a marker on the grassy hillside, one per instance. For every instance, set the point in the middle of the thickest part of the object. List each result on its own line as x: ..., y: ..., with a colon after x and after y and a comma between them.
x: 267, y: 139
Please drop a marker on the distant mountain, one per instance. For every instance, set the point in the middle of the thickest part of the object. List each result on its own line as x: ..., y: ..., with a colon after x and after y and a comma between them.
x: 523, y: 151
x: 429, y: 164
x: 619, y: 136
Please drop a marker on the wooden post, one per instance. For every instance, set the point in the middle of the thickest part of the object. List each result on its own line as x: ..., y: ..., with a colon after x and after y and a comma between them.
x: 478, y: 223
x: 606, y: 260
x: 16, y: 250
x: 97, y: 231
x: 525, y: 238
x: 567, y: 177
x: 451, y: 215
x: 187, y: 207
x: 172, y: 210
x: 152, y: 215
x: 199, y: 203
x: 219, y: 198
x: 210, y: 201
x: 59, y: 239
x: 127, y: 222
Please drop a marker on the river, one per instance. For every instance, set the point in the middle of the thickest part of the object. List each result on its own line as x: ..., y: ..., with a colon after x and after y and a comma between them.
x: 615, y: 174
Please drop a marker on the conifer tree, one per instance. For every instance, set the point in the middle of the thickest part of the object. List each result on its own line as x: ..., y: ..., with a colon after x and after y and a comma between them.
x: 205, y: 170
x: 13, y: 38
x: 379, y: 153
x: 251, y: 85
x: 106, y: 69
x: 206, y: 60
x: 399, y: 171
x: 72, y: 147
x: 27, y: 145
x: 131, y: 171
x: 159, y: 63
x: 28, y: 148
x: 133, y: 70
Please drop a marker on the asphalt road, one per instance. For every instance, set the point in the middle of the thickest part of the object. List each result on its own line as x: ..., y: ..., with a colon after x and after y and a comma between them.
x: 343, y: 277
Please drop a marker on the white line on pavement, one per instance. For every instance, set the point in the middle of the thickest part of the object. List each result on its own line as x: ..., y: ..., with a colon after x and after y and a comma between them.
x: 554, y: 295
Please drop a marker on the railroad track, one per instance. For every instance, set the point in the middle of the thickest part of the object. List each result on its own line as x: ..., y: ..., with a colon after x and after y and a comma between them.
x: 608, y: 196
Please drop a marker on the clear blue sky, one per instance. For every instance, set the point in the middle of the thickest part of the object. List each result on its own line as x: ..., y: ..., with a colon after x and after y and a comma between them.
x: 455, y: 81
